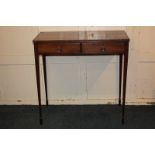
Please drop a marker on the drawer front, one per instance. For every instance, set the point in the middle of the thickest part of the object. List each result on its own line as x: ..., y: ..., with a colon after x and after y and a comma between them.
x: 94, y: 48
x: 59, y: 48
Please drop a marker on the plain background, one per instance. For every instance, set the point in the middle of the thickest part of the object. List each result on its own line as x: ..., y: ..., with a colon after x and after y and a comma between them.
x: 75, y: 80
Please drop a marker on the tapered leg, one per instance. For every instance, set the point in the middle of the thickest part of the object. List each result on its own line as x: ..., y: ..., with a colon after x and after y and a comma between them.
x: 124, y: 84
x: 38, y: 86
x: 120, y: 78
x: 45, y: 78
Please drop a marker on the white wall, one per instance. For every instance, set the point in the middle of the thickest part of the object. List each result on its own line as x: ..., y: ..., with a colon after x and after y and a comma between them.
x: 75, y: 80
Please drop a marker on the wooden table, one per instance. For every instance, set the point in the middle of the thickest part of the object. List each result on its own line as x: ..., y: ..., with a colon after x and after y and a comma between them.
x: 82, y: 43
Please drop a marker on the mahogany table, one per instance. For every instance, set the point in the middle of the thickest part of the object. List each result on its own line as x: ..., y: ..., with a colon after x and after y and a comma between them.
x: 82, y: 43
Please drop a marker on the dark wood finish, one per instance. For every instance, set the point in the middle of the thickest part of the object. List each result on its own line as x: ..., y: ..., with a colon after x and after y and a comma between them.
x: 82, y: 43
x: 58, y: 48
x: 37, y: 66
x: 120, y: 79
x: 125, y: 79
x: 81, y: 36
x: 102, y: 48
x: 45, y: 78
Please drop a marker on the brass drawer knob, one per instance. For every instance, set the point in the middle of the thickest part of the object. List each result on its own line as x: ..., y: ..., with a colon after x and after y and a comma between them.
x: 59, y: 50
x: 103, y: 49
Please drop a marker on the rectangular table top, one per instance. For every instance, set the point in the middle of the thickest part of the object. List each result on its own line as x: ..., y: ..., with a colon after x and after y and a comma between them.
x: 81, y: 36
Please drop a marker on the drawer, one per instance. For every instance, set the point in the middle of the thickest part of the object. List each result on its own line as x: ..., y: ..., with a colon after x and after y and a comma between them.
x: 108, y: 47
x: 59, y: 48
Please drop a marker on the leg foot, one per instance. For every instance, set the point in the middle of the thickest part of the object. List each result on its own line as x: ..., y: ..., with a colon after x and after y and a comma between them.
x: 41, y: 121
x: 123, y: 121
x: 119, y: 102
x: 46, y: 103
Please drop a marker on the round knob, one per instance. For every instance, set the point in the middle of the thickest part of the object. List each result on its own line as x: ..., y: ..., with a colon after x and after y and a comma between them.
x: 59, y: 50
x: 102, y: 49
